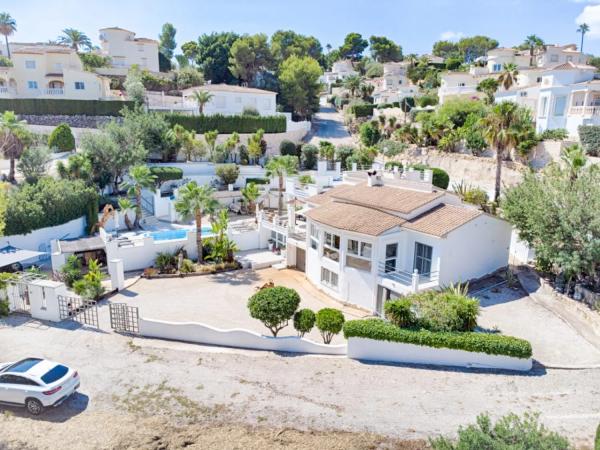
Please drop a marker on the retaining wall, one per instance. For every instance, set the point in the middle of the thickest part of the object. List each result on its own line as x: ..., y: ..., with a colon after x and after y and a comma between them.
x: 39, y: 240
x: 204, y: 334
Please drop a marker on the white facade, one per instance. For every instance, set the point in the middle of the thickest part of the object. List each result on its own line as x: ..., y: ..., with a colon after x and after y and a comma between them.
x: 340, y: 70
x: 50, y: 71
x: 231, y: 100
x: 125, y: 50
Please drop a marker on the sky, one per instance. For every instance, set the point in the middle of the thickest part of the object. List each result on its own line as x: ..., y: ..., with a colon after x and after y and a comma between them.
x: 414, y: 24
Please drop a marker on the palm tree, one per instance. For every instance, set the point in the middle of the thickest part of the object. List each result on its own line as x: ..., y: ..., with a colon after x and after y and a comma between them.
x: 202, y: 98
x: 352, y: 83
x: 75, y: 39
x: 8, y: 26
x: 502, y: 127
x: 194, y: 201
x: 533, y: 42
x: 508, y: 77
x: 583, y: 29
x: 251, y: 194
x: 281, y: 166
x: 11, y: 144
x: 489, y: 86
x: 124, y: 206
x: 574, y: 159
x: 140, y: 177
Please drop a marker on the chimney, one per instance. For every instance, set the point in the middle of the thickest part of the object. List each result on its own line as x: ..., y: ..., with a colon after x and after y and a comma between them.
x: 374, y: 179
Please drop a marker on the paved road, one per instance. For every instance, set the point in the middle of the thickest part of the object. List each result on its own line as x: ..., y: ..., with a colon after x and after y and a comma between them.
x: 328, y: 125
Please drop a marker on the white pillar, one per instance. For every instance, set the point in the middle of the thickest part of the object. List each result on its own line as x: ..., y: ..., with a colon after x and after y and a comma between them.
x: 117, y: 274
x: 415, y: 281
x: 291, y: 216
x: 354, y: 167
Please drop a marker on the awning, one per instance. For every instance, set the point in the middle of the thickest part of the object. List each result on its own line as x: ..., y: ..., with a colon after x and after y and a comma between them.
x: 10, y: 255
x: 87, y: 244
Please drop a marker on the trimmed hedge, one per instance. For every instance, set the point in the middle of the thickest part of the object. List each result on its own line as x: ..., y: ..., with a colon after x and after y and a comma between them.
x: 167, y: 173
x: 589, y: 135
x: 55, y: 107
x: 229, y: 124
x: 362, y: 110
x: 491, y: 344
x: 257, y: 181
x: 439, y: 177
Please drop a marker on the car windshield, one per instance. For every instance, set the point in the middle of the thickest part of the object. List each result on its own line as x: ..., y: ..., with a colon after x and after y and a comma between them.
x: 23, y: 365
x: 55, y: 374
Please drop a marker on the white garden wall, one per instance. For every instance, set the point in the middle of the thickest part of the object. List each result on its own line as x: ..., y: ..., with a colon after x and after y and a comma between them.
x: 204, y: 334
x: 374, y: 350
x: 39, y: 240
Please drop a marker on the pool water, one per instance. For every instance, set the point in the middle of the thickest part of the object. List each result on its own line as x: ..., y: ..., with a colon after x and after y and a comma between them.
x: 172, y: 235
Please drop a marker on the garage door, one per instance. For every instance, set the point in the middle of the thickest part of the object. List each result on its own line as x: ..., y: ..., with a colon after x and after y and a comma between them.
x: 301, y: 259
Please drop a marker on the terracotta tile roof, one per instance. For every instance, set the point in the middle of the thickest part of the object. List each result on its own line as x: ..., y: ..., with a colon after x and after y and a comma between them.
x: 442, y: 220
x: 399, y: 200
x: 325, y: 197
x: 570, y: 66
x: 354, y: 218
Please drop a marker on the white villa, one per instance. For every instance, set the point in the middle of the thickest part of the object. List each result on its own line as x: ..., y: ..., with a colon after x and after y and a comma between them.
x: 50, y: 71
x: 231, y: 100
x: 394, y: 85
x: 339, y: 71
x: 126, y: 50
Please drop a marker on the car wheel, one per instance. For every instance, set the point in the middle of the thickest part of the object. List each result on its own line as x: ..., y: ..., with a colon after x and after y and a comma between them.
x: 34, y: 406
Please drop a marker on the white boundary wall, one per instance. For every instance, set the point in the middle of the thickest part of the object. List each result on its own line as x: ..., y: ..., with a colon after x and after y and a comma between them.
x: 374, y: 350
x: 34, y: 240
x: 204, y: 334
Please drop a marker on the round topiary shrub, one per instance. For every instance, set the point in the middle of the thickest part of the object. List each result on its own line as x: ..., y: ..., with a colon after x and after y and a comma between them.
x: 62, y: 139
x: 274, y: 307
x: 440, y: 177
x: 309, y: 156
x: 400, y: 312
x: 288, y: 148
x: 329, y: 322
x: 304, y: 321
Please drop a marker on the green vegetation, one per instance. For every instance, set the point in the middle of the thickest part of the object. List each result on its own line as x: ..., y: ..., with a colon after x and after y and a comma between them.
x: 288, y: 148
x: 590, y: 138
x: 329, y: 322
x: 37, y: 106
x: 229, y: 124
x: 280, y: 167
x: 33, y: 163
x: 309, y: 154
x: 362, y: 110
x: 90, y: 286
x: 274, y: 307
x: 62, y: 139
x: 138, y: 178
x: 492, y: 344
x: 93, y: 61
x: 304, y: 321
x: 228, y: 173
x: 300, y: 87
x: 164, y: 173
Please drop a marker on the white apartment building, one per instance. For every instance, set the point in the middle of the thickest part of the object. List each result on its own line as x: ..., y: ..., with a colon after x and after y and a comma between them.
x: 50, y: 71
x: 126, y: 50
x: 231, y: 100
x: 386, y: 234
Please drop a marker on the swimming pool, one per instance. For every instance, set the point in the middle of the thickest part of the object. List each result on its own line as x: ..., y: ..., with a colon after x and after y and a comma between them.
x: 172, y: 235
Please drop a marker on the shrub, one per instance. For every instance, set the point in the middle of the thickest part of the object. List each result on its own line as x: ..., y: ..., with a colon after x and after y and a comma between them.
x: 4, y: 308
x: 309, y: 156
x: 476, y: 196
x: 589, y: 135
x: 166, y: 262
x: 440, y: 177
x: 369, y: 134
x: 163, y: 174
x: 445, y: 311
x: 5, y: 62
x: 306, y: 179
x: 71, y: 271
x: 62, y: 139
x: 400, y: 312
x: 427, y: 100
x: 329, y: 322
x: 597, y: 439
x: 187, y: 266
x: 228, y: 173
x: 304, y: 321
x: 257, y: 181
x: 492, y: 344
x: 90, y: 286
x: 342, y: 153
x: 229, y: 124
x: 362, y: 110
x: 288, y: 148
x: 559, y: 134
x: 509, y: 432
x: 339, y: 102
x: 40, y: 107
x: 274, y: 307
x: 250, y: 111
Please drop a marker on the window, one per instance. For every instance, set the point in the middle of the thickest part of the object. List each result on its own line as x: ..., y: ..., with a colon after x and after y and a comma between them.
x: 329, y: 278
x: 30, y: 64
x: 523, y: 94
x: 54, y: 374
x: 278, y: 238
x: 538, y: 80
x: 553, y: 58
x: 359, y: 255
x: 461, y: 84
x: 79, y: 85
x: 314, y: 237
x: 32, y: 85
x: 423, y: 254
x: 497, y: 67
x: 559, y: 105
x: 544, y: 107
x: 391, y: 253
x: 15, y: 379
x: 331, y: 246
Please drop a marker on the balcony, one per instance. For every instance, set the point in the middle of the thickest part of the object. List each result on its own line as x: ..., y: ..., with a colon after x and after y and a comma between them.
x: 3, y: 91
x: 406, y: 282
x: 584, y: 111
x: 54, y: 91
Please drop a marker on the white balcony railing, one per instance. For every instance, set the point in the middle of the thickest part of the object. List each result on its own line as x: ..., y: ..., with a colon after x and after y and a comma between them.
x: 584, y: 111
x: 414, y: 280
x: 54, y: 91
x: 3, y: 90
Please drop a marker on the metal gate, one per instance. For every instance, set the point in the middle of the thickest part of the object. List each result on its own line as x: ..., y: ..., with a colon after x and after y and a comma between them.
x: 124, y: 318
x: 78, y: 309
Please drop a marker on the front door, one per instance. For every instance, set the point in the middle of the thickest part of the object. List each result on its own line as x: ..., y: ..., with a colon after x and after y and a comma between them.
x: 300, y: 259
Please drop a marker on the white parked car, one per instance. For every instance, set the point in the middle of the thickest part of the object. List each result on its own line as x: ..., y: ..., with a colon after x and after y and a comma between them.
x: 36, y: 384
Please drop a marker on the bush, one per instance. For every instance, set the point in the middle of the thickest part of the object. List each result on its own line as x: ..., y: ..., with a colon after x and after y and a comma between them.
x: 491, y: 344
x: 53, y: 107
x: 440, y: 177
x: 228, y: 173
x: 4, y: 308
x: 400, y: 312
x: 257, y: 181
x: 229, y: 124
x: 329, y: 322
x: 288, y: 148
x: 445, y: 311
x: 391, y: 164
x: 309, y: 156
x: 164, y: 174
x: 306, y: 179
x: 339, y: 102
x: 274, y: 307
x: 597, y: 439
x: 559, y: 134
x: 250, y: 111
x: 90, y: 286
x: 509, y: 432
x: 362, y: 110
x: 342, y: 153
x: 62, y: 138
x: 369, y: 134
x: 589, y: 135
x: 71, y: 271
x: 187, y: 266
x: 304, y: 321
x: 166, y: 262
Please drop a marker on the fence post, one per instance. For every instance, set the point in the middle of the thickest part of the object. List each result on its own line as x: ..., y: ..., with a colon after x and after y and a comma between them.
x: 117, y: 276
x: 415, y: 280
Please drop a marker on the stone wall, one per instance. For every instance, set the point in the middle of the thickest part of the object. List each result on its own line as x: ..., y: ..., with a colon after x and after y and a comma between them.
x: 72, y: 121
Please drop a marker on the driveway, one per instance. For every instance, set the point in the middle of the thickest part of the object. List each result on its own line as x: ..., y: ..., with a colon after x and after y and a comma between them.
x: 328, y: 125
x: 220, y: 300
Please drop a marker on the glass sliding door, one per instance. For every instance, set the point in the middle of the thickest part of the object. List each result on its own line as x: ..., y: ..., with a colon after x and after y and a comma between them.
x: 423, y: 255
x: 391, y: 255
